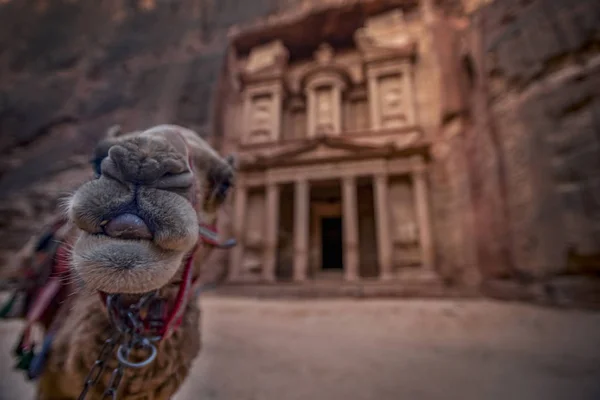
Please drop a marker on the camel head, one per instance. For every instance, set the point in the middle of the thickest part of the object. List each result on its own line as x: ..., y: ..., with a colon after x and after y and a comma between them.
x: 139, y: 218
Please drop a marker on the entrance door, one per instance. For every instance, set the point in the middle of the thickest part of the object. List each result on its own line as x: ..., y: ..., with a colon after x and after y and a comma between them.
x: 331, y: 243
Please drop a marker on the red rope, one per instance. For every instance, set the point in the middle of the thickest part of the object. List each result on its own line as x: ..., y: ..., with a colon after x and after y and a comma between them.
x: 173, y: 320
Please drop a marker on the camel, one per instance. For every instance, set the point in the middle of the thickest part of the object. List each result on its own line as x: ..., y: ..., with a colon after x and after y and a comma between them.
x: 118, y: 305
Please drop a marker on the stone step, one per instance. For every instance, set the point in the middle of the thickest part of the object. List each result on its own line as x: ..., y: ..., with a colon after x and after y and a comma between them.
x: 430, y: 288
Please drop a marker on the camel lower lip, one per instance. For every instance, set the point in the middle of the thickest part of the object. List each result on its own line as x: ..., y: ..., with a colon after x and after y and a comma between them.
x: 123, y: 266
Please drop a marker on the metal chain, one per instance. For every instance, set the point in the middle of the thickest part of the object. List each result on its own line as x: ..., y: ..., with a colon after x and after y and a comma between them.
x: 128, y: 335
x: 99, y: 365
x: 115, y: 381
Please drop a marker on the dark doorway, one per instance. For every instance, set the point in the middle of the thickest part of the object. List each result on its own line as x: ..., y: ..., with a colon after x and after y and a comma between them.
x: 331, y: 243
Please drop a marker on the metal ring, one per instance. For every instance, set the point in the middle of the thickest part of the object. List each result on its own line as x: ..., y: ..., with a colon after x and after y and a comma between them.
x: 123, y: 357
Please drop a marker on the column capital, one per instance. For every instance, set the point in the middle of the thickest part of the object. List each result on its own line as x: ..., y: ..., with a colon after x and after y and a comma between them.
x: 271, y: 180
x: 240, y: 183
x: 380, y: 176
x: 418, y: 163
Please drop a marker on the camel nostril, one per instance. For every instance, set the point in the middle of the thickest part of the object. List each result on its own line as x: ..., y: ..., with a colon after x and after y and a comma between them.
x: 128, y: 226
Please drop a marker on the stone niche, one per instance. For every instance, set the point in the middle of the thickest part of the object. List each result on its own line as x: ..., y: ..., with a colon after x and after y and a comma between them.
x: 324, y: 85
x: 404, y: 226
x: 295, y: 118
x: 388, y: 51
x: 263, y: 92
x: 356, y: 112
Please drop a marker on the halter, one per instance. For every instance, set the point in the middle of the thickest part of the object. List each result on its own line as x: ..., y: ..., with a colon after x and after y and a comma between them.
x: 158, y: 321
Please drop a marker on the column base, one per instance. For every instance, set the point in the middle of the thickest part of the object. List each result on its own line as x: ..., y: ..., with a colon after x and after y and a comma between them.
x: 300, y: 265
x: 386, y: 277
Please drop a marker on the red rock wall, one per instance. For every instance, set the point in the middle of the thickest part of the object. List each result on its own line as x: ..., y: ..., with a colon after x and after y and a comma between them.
x: 71, y: 69
x: 533, y: 143
x: 516, y: 162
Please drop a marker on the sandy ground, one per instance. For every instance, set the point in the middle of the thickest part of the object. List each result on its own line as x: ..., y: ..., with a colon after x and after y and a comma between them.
x: 384, y: 350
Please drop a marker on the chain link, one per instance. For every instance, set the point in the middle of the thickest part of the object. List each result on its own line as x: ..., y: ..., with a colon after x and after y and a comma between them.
x: 113, y: 384
x: 129, y: 334
x: 99, y: 365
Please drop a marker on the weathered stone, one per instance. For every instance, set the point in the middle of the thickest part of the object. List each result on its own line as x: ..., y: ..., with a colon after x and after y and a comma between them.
x: 24, y: 112
x: 72, y: 69
x: 541, y: 125
x: 509, y: 98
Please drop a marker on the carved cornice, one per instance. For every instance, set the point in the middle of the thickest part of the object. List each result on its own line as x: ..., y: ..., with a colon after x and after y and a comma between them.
x: 304, y: 25
x: 289, y: 155
x: 353, y: 135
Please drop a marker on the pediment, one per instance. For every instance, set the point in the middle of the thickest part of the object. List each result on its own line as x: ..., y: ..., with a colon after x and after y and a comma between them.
x: 318, y: 149
x: 325, y: 148
x: 324, y: 151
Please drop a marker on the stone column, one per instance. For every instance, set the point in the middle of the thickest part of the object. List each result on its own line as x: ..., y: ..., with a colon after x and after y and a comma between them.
x: 276, y: 114
x: 239, y: 228
x: 384, y: 242
x: 374, y: 108
x: 422, y: 211
x: 301, y: 221
x: 411, y: 98
x: 310, y: 113
x: 246, y: 114
x: 336, y: 109
x: 350, y: 221
x: 271, y: 230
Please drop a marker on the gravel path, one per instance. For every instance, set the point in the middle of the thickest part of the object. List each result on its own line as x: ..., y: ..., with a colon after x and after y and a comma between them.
x: 384, y: 350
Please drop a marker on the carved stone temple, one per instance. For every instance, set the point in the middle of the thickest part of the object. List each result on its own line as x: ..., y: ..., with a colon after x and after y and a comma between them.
x: 399, y: 141
x: 333, y: 155
x: 385, y: 146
